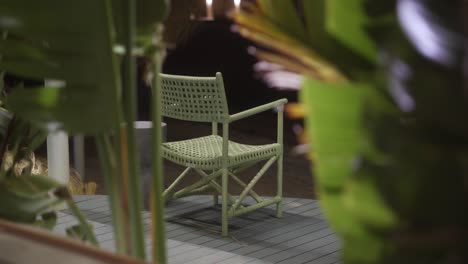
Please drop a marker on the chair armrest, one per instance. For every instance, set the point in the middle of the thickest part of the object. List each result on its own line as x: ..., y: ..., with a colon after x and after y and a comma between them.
x: 257, y: 110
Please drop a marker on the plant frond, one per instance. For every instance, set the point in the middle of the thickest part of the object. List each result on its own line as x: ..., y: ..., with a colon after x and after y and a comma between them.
x: 290, y: 52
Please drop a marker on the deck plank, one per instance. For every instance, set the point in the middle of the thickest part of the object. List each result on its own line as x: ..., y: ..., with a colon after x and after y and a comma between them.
x: 327, y: 259
x: 193, y: 226
x: 294, y: 249
x: 315, y: 254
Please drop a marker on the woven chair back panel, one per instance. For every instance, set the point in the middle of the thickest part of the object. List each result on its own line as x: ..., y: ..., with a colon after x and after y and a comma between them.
x: 188, y: 98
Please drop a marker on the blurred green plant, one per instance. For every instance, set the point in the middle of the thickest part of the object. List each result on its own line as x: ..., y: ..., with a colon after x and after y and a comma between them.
x: 388, y: 141
x: 51, y: 40
x: 26, y: 196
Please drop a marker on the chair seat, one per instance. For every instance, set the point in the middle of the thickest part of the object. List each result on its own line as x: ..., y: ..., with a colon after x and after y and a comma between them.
x: 206, y: 152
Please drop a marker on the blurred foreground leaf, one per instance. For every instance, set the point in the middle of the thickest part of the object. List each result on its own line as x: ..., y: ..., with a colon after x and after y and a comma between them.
x: 50, y: 40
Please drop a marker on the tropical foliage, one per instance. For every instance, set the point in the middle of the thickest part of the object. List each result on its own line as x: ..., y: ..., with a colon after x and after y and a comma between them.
x: 27, y: 195
x: 71, y: 44
x: 386, y: 131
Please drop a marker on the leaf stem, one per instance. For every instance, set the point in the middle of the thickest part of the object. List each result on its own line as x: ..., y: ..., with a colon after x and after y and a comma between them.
x: 157, y: 204
x: 88, y: 231
x: 109, y: 169
x: 129, y: 140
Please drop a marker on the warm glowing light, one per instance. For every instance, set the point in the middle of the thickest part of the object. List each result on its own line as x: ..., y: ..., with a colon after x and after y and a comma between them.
x: 209, y: 9
x: 237, y: 3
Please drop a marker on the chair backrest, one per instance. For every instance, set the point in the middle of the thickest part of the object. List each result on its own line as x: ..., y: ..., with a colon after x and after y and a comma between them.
x: 190, y: 98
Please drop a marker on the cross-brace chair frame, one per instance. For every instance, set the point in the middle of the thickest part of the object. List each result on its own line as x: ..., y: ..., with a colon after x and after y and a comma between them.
x: 226, y: 158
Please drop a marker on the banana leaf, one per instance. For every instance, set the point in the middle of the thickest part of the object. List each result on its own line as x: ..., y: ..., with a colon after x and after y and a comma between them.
x: 334, y: 127
x: 63, y: 108
x: 68, y: 41
x: 333, y: 112
x: 346, y: 20
x: 329, y: 44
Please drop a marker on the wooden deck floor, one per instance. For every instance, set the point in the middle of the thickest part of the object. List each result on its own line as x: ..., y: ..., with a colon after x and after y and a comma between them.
x: 193, y: 226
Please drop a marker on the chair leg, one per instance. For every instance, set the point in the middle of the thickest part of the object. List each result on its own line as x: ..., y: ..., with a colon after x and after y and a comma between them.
x: 168, y: 192
x: 279, y: 210
x: 215, y: 196
x: 224, y: 201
